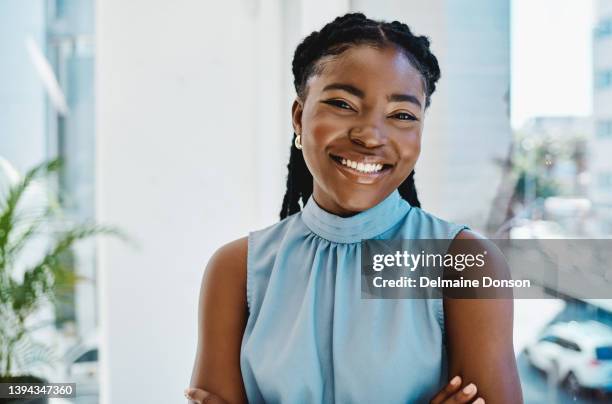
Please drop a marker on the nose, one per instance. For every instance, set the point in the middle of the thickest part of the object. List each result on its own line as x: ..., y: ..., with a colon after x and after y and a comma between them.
x: 367, y: 135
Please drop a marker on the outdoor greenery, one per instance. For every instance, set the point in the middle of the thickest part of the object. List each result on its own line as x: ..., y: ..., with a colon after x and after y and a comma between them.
x: 535, y: 159
x: 24, y: 288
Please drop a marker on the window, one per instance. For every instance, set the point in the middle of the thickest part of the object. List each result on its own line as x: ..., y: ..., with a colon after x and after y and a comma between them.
x: 603, y: 353
x: 605, y: 179
x: 603, y: 29
x: 603, y: 79
x: 604, y: 129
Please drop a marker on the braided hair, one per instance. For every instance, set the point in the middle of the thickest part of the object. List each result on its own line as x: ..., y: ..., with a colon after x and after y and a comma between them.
x: 334, y: 38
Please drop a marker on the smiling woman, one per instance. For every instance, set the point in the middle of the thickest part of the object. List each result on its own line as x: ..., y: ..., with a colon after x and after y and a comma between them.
x: 365, y: 106
x: 281, y: 314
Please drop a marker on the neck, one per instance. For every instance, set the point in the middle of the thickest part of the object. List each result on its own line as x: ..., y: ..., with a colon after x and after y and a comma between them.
x: 345, y: 204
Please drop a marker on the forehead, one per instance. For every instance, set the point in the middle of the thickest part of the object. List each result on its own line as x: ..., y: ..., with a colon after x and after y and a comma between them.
x: 374, y: 70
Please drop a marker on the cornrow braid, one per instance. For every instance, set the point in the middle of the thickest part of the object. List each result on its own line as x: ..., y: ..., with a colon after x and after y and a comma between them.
x: 299, y: 183
x: 334, y: 38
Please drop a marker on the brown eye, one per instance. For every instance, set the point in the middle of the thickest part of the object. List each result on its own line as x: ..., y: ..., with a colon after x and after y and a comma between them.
x: 339, y: 104
x: 402, y: 116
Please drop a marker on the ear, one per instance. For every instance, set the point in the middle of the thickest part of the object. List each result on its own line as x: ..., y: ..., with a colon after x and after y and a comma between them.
x: 296, y: 115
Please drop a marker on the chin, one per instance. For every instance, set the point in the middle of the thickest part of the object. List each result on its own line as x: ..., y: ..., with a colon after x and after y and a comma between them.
x: 356, y: 201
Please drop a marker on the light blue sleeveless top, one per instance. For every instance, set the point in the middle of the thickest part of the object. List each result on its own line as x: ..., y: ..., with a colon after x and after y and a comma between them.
x: 310, y: 338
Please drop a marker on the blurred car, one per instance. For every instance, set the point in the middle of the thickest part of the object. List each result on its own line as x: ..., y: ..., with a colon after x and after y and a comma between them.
x: 576, y: 354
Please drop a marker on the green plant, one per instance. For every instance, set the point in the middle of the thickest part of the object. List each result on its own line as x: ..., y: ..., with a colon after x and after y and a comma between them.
x: 43, y: 281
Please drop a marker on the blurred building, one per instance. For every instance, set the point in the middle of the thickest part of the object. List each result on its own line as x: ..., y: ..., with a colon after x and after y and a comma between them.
x: 601, y: 146
x: 467, y: 128
x: 557, y: 127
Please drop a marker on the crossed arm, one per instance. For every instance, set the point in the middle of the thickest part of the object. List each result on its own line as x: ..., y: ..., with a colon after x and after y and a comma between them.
x: 479, y: 336
x: 222, y: 318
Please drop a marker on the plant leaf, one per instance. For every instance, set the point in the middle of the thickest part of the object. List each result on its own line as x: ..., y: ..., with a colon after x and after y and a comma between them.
x: 10, y: 203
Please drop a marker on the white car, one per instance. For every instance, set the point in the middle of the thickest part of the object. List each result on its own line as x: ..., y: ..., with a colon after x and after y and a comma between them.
x: 577, y: 354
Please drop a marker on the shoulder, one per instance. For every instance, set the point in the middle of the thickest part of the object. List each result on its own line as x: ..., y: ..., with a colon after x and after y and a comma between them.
x: 264, y: 243
x: 229, y: 260
x: 222, y: 318
x: 225, y: 273
x: 470, y: 241
x: 227, y: 269
x: 231, y: 253
x: 469, y: 234
x: 277, y: 230
x: 479, y: 330
x: 494, y: 264
x: 493, y: 310
x: 424, y: 224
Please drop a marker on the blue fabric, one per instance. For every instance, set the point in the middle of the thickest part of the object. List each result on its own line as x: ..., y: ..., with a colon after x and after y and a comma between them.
x: 310, y: 338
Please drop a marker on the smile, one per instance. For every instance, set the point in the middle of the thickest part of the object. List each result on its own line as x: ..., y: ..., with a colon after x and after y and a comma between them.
x: 365, y: 168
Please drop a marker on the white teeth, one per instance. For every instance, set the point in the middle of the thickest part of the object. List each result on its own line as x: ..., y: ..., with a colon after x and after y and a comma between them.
x: 363, y: 167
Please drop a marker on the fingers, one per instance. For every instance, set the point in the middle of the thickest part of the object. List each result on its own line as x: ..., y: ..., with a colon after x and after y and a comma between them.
x: 450, y: 388
x: 199, y: 396
x: 466, y: 395
x: 194, y: 395
x: 452, y: 393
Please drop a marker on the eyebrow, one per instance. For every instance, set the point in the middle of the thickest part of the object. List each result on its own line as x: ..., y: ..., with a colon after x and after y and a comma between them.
x: 359, y: 93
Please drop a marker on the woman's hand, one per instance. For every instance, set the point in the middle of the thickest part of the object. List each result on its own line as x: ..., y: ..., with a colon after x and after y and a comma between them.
x: 451, y: 393
x: 200, y: 396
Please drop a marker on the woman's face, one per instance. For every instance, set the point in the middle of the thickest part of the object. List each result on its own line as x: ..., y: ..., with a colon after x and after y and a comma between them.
x: 365, y: 108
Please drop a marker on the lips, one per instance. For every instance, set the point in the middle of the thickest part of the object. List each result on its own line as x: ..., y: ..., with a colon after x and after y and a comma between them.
x: 363, y: 169
x: 361, y: 158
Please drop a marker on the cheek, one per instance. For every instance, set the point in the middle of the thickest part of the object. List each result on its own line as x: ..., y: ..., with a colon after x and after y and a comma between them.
x: 410, y: 146
x: 314, y: 140
x: 320, y: 129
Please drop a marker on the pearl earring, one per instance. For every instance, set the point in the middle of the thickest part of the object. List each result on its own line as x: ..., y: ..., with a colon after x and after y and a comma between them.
x: 298, y: 142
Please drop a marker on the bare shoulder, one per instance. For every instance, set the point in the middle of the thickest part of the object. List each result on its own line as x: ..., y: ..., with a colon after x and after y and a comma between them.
x: 228, y: 265
x: 479, y: 331
x: 466, y: 234
x: 222, y: 319
x: 469, y: 241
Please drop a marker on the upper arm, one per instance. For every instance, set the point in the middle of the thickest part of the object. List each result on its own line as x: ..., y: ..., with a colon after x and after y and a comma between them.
x: 479, y: 338
x: 222, y: 317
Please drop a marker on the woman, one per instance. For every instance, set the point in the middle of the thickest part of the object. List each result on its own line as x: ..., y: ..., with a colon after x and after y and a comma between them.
x: 281, y: 315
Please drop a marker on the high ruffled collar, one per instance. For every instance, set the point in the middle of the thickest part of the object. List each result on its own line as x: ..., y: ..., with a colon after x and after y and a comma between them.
x: 361, y: 226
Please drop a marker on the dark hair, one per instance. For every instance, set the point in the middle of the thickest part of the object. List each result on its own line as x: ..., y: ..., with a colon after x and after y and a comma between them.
x: 334, y: 38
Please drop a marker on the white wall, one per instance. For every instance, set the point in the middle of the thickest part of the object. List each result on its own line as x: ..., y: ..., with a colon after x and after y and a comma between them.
x: 181, y: 134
